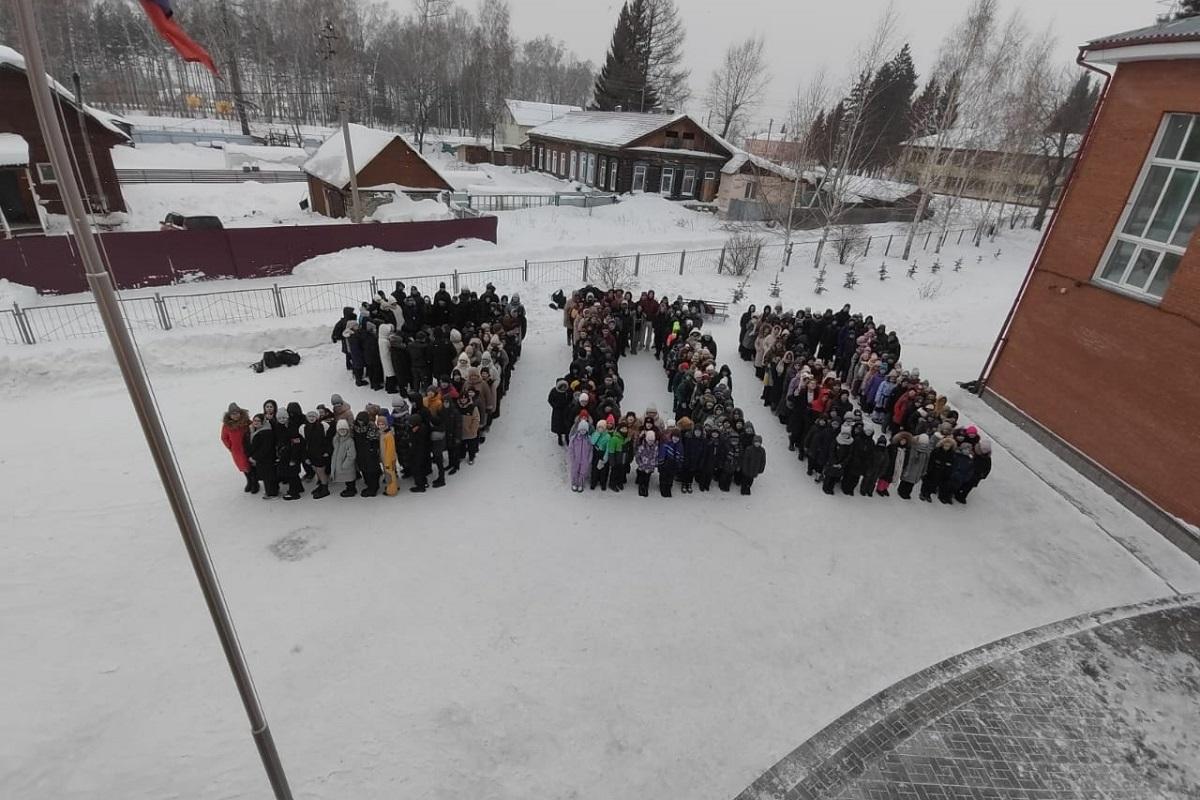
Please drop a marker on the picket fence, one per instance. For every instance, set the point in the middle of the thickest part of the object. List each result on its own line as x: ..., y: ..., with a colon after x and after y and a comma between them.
x: 78, y: 320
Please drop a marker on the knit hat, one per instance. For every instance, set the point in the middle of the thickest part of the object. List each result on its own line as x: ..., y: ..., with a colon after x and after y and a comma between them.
x: 671, y: 423
x: 650, y: 436
x: 233, y: 407
x: 582, y: 427
x: 335, y: 400
x: 343, y: 425
x: 602, y: 425
x: 583, y: 398
x: 984, y: 448
x: 846, y: 436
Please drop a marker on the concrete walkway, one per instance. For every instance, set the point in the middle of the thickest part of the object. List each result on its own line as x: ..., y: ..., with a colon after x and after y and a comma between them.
x: 1101, y: 706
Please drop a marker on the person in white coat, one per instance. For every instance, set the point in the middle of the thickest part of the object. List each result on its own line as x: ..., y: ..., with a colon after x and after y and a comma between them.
x: 385, y: 358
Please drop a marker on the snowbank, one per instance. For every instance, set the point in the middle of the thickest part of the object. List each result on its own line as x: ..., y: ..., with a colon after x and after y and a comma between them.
x: 403, y: 208
x: 243, y: 205
x: 16, y: 293
x: 14, y: 150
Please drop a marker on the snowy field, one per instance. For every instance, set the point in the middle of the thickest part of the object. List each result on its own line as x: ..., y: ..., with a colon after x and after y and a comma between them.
x: 503, y: 637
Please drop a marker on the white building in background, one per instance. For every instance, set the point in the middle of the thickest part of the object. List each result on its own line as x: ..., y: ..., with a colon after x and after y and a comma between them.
x: 518, y: 116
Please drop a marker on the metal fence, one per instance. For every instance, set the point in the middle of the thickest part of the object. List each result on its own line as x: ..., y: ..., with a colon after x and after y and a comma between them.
x: 514, y: 202
x: 209, y: 176
x: 64, y: 321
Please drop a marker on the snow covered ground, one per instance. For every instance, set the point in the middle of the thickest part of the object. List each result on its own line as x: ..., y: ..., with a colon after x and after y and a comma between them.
x: 503, y: 637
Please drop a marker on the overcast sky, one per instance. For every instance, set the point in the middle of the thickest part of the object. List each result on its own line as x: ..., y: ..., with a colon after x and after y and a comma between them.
x: 801, y: 35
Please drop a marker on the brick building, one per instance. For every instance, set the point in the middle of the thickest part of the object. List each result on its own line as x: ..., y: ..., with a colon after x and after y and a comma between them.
x: 625, y: 151
x: 382, y: 160
x: 27, y: 179
x: 1098, y: 357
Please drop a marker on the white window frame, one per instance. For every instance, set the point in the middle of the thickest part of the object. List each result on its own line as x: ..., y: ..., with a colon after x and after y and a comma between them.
x: 574, y: 164
x: 591, y: 173
x: 666, y: 178
x: 639, y: 177
x: 1140, y: 243
x: 612, y: 174
x: 603, y: 172
x: 42, y: 167
x: 541, y: 158
x: 689, y: 182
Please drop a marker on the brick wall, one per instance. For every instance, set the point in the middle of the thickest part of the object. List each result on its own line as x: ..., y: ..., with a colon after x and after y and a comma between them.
x: 1114, y: 376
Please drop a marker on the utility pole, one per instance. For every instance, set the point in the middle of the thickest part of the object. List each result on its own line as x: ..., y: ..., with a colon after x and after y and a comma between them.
x: 136, y: 383
x: 235, y: 72
x: 87, y: 145
x: 330, y: 36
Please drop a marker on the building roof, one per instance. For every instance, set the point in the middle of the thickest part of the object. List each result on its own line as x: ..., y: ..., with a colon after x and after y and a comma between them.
x: 14, y: 150
x: 979, y: 139
x: 1175, y: 30
x: 679, y: 151
x: 741, y: 158
x: 11, y: 59
x: 528, y: 113
x: 329, y: 162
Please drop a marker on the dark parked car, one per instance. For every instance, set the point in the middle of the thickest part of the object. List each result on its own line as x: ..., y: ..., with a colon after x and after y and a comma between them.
x: 178, y: 222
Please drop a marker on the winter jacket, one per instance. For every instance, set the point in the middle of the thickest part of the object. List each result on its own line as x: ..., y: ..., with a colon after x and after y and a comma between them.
x: 918, y: 461
x: 317, y: 447
x: 343, y: 467
x: 560, y: 411
x: 670, y: 456
x: 818, y: 443
x: 940, y: 462
x: 262, y: 450
x: 385, y: 347
x: 754, y: 461
x: 579, y: 458
x: 646, y: 456
x: 961, y: 470
x: 470, y: 421
x: 366, y: 446
x: 387, y: 450
x: 236, y: 438
x: 693, y: 449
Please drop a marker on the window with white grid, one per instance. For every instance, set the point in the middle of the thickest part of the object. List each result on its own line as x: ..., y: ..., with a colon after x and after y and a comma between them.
x: 1161, y: 215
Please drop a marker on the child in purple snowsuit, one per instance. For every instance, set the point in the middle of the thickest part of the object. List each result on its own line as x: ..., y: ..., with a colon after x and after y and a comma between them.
x: 646, y: 457
x: 579, y: 456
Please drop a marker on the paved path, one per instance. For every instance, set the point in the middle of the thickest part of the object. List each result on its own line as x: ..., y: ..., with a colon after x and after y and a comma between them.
x: 1103, y: 706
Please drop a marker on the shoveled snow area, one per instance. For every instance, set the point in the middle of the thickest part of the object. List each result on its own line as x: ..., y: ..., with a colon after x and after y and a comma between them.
x: 502, y: 637
x: 147, y: 155
x: 252, y: 205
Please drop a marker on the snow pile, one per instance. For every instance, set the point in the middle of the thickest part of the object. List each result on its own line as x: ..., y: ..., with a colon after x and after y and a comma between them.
x: 244, y: 205
x: 403, y: 208
x: 18, y: 293
x: 167, y: 156
x: 14, y: 150
x: 237, y: 155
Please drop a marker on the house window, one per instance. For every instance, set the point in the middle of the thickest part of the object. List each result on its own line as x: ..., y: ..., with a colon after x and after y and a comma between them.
x: 612, y: 175
x: 46, y: 173
x: 639, y: 178
x: 603, y: 171
x: 574, y: 162
x: 591, y: 179
x: 751, y: 189
x: 554, y: 161
x: 667, y: 184
x: 1161, y: 215
x: 689, y: 182
x: 689, y: 141
x: 672, y: 139
x: 542, y: 158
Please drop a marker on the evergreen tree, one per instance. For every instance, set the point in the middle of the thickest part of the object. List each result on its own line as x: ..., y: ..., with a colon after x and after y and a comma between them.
x: 889, y: 117
x: 1188, y: 8
x: 623, y: 81
x: 1073, y: 112
x: 924, y: 109
x: 661, y: 34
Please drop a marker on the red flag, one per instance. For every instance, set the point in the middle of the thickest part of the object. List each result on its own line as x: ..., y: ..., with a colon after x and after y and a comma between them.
x: 168, y: 29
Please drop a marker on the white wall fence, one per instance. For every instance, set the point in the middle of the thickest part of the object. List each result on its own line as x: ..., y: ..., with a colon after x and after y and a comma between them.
x: 79, y: 320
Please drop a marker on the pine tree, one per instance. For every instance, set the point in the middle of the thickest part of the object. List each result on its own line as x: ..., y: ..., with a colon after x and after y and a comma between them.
x: 661, y: 34
x: 924, y: 108
x: 622, y: 81
x: 889, y: 119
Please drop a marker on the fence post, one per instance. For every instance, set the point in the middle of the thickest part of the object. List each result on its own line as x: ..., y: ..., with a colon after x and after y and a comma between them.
x: 682, y: 258
x: 374, y: 286
x: 787, y: 254
x: 23, y: 325
x: 585, y: 266
x: 887, y: 250
x: 867, y: 249
x: 525, y: 273
x: 279, y: 312
x: 720, y: 263
x: 757, y: 253
x: 926, y: 245
x: 961, y: 231
x: 164, y: 319
x: 637, y: 263
x: 456, y: 281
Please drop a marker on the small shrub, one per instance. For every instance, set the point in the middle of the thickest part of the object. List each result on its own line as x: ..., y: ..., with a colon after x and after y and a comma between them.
x: 930, y: 289
x: 741, y: 251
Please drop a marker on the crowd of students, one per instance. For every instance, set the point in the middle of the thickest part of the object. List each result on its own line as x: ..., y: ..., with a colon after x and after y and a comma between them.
x: 860, y: 419
x: 707, y: 439
x: 446, y: 364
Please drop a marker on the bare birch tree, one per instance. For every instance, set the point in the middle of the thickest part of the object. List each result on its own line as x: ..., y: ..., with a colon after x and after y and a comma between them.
x: 736, y: 87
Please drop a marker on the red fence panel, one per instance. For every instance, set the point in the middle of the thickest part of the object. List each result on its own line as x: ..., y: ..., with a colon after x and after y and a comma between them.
x: 158, y: 258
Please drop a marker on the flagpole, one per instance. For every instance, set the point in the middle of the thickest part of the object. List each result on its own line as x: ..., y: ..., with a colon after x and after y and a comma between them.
x: 138, y: 387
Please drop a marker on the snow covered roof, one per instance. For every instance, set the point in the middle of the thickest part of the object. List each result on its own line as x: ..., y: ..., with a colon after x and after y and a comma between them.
x: 740, y: 158
x: 977, y: 139
x: 528, y: 113
x: 14, y: 150
x: 1175, y: 30
x: 329, y: 162
x: 604, y: 128
x: 11, y: 58
x: 877, y: 189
